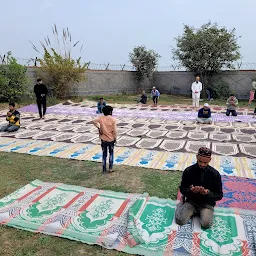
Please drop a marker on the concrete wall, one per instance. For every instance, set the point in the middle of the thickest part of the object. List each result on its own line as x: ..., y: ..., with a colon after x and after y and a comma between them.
x: 174, y: 82
x: 178, y: 82
x: 239, y: 81
x: 100, y: 83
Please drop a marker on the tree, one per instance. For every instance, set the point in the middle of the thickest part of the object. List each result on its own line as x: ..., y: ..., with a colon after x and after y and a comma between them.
x: 13, y: 79
x: 144, y: 61
x: 207, y: 50
x: 57, y: 65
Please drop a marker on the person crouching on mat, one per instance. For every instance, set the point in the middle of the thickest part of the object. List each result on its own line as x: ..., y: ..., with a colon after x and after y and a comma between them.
x: 155, y: 94
x: 201, y: 187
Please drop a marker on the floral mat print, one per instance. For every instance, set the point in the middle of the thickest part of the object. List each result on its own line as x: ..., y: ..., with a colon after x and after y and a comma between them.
x: 161, y: 160
x: 131, y: 223
x: 238, y: 193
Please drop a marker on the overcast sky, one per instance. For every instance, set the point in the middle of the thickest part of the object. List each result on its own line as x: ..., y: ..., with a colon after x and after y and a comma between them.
x: 109, y: 29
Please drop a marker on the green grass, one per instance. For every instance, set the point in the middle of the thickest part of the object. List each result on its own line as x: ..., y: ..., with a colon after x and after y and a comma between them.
x: 18, y: 170
x: 164, y: 99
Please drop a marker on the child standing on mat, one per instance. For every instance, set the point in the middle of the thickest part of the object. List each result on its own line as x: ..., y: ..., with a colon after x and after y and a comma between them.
x: 108, y: 134
x: 155, y: 94
x: 41, y: 91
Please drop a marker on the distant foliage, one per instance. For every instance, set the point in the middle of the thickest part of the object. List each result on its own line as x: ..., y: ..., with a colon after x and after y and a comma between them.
x: 207, y: 50
x: 58, y: 67
x: 221, y: 89
x: 13, y: 79
x: 145, y: 62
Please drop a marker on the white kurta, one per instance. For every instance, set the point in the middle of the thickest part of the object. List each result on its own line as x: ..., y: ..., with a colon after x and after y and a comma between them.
x: 196, y: 89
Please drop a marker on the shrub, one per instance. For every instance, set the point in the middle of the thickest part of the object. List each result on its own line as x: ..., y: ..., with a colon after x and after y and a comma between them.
x: 58, y: 68
x: 144, y: 61
x: 221, y: 89
x: 13, y: 79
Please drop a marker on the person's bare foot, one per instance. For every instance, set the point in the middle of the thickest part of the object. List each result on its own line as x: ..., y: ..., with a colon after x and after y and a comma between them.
x: 110, y: 171
x: 43, y: 117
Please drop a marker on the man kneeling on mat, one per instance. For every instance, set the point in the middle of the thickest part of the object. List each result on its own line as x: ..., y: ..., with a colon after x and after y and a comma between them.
x: 201, y: 187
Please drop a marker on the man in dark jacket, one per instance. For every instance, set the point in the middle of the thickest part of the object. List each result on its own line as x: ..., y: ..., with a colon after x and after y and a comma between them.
x: 201, y: 187
x: 41, y: 91
x: 143, y: 98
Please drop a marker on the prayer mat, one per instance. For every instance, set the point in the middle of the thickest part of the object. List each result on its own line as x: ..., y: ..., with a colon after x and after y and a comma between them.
x: 61, y: 109
x: 161, y: 160
x: 238, y: 193
x: 132, y: 223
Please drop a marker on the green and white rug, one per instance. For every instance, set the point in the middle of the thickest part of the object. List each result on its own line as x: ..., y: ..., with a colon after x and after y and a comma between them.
x: 132, y: 223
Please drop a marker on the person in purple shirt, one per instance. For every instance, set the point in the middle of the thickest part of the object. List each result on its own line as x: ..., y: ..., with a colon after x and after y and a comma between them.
x: 204, y: 115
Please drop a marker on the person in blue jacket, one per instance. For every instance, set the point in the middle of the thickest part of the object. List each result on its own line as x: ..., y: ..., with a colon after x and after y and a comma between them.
x: 204, y: 115
x: 101, y: 104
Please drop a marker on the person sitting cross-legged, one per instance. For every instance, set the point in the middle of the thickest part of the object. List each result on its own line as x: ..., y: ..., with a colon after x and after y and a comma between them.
x: 13, y: 117
x: 201, y: 187
x: 204, y: 115
x: 231, y: 103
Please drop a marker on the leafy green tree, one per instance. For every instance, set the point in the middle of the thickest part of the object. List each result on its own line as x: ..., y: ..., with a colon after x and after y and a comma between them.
x: 207, y: 50
x: 144, y: 61
x: 58, y: 67
x: 13, y: 79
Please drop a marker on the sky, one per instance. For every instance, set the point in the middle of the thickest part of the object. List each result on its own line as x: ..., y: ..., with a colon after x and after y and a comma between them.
x: 109, y: 30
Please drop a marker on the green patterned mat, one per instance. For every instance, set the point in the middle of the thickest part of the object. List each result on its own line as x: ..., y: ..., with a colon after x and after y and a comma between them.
x: 132, y: 223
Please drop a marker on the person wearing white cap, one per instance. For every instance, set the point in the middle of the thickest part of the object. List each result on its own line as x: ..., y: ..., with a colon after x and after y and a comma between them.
x: 196, y: 89
x: 204, y: 115
x: 155, y: 95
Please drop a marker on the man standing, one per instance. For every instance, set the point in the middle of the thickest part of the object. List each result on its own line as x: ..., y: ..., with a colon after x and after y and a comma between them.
x: 204, y: 115
x: 196, y: 89
x: 13, y: 117
x: 201, y: 187
x: 41, y: 91
x: 155, y: 94
x: 231, y: 103
x: 101, y: 104
x: 108, y: 134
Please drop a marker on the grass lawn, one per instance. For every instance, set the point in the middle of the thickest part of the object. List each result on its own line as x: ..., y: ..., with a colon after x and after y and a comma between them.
x: 18, y: 170
x: 164, y: 99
